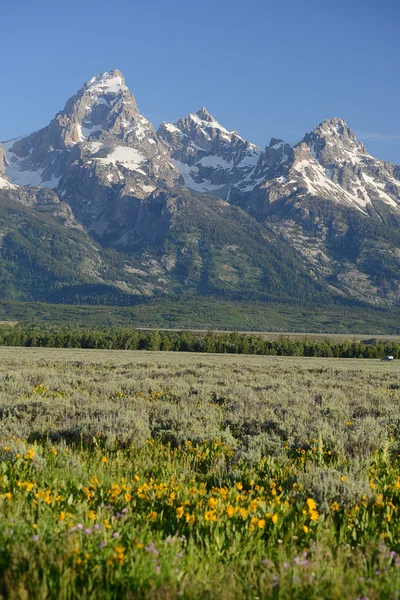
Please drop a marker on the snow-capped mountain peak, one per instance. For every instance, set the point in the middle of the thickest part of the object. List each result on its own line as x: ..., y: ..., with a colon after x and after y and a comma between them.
x: 328, y: 163
x: 210, y: 158
x: 101, y: 130
x: 109, y: 82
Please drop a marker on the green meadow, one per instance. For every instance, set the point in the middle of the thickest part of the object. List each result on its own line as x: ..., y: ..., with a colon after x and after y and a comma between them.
x: 141, y: 474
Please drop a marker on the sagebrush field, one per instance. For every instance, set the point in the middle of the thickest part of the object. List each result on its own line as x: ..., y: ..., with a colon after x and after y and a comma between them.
x: 158, y: 475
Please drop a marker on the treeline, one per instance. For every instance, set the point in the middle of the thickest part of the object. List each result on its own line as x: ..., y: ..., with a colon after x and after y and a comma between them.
x: 186, y: 341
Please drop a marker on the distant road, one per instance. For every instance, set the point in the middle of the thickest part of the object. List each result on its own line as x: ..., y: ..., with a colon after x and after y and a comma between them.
x: 288, y: 334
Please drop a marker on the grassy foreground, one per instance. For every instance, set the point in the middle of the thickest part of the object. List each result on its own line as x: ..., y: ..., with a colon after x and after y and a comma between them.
x: 156, y: 475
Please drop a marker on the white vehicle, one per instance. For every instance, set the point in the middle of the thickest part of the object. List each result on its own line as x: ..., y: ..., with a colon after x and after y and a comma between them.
x: 388, y: 358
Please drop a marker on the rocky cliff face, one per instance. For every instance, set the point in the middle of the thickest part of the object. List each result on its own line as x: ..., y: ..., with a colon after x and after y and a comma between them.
x: 329, y: 163
x: 99, y: 153
x: 182, y: 206
x: 210, y: 159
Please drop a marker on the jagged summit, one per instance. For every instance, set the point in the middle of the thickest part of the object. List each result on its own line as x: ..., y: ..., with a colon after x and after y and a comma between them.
x: 204, y: 115
x: 102, y: 131
x: 128, y: 187
x: 275, y: 142
x: 210, y: 158
x: 334, y: 129
x: 111, y: 82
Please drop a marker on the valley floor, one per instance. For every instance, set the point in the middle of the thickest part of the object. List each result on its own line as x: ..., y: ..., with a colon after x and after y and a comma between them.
x: 161, y: 475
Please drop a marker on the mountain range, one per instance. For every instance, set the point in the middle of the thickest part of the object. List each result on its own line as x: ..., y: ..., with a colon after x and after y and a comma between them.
x: 99, y: 207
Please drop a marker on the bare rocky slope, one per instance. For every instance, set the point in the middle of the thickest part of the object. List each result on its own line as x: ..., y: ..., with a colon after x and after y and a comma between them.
x: 194, y: 208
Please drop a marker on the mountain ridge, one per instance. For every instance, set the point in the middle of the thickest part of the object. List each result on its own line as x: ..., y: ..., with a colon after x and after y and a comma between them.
x: 172, y: 202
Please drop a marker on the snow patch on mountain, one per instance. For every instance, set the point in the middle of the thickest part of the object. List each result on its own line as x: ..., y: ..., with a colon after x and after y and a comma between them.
x: 209, y: 157
x: 6, y: 185
x: 129, y: 158
x: 106, y: 83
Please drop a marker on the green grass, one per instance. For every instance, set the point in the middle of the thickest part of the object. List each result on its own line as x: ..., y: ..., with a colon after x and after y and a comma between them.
x: 211, y: 313
x: 158, y: 475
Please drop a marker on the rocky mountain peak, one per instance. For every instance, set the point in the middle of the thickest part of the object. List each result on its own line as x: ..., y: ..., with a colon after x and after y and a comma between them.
x: 204, y: 115
x: 275, y: 142
x: 334, y: 144
x: 102, y: 131
x: 210, y: 158
x: 333, y: 128
x: 109, y: 82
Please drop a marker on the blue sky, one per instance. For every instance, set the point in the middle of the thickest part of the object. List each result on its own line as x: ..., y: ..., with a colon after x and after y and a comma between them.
x: 266, y: 68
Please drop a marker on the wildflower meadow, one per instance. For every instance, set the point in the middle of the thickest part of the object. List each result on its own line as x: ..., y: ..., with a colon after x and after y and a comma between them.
x: 132, y: 475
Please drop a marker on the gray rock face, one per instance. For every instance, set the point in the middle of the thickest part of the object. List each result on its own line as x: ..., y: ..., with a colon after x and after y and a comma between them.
x: 101, y: 167
x: 2, y: 162
x: 329, y: 163
x: 210, y: 158
x: 4, y: 183
x: 98, y: 154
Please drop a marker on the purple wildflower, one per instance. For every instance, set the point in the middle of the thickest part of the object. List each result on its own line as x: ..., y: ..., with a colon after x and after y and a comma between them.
x: 80, y: 526
x: 299, y: 561
x: 115, y: 534
x: 88, y: 531
x: 267, y: 562
x: 36, y: 538
x: 151, y: 548
x: 101, y: 545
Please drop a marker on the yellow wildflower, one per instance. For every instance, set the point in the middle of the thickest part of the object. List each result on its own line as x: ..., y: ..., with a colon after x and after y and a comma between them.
x: 212, y: 502
x: 275, y: 519
x: 230, y: 511
x: 253, y: 523
x: 210, y: 515
x: 311, y: 504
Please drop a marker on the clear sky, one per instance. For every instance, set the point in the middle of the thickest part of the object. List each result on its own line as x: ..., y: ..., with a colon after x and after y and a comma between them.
x: 266, y: 68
